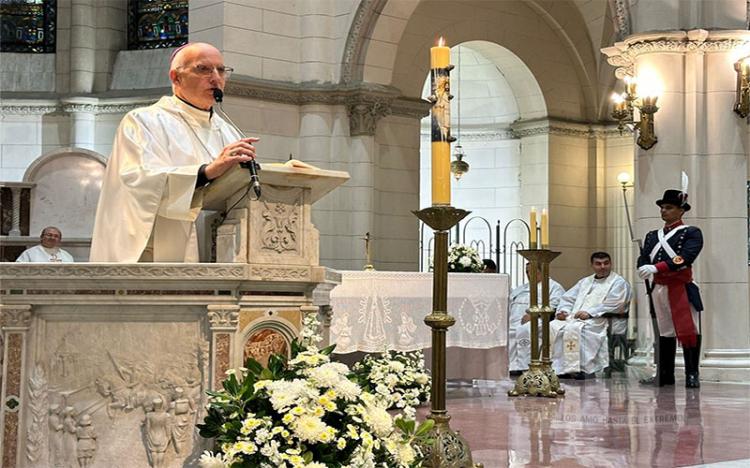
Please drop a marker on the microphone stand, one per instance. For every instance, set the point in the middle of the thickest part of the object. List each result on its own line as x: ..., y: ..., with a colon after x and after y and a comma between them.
x: 251, y: 165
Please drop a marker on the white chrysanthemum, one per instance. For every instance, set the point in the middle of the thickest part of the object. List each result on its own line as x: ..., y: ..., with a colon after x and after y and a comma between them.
x: 250, y: 423
x: 285, y: 393
x: 391, y: 380
x: 379, y: 420
x: 327, y: 375
x: 465, y: 261
x: 310, y: 357
x: 348, y: 390
x: 270, y: 449
x: 406, y: 454
x: 397, y: 366
x: 309, y: 428
x: 211, y: 460
x: 245, y: 447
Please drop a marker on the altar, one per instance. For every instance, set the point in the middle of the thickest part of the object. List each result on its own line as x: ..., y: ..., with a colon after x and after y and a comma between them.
x: 374, y: 311
x: 128, y: 351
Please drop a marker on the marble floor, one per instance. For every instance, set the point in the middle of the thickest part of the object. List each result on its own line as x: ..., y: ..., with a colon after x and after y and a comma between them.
x: 605, y: 423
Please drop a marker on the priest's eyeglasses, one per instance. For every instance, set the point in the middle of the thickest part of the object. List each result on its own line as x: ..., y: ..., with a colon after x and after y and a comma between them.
x: 205, y: 70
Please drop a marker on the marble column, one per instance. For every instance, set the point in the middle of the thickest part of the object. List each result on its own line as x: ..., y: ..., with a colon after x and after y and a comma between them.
x: 699, y: 134
x: 15, y: 227
x: 82, y: 113
x: 82, y: 46
x: 223, y: 320
x: 15, y: 321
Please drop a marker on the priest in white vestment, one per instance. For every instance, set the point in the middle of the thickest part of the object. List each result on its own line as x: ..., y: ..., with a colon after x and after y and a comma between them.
x: 579, y: 333
x: 160, y: 155
x: 48, y: 251
x: 519, y: 321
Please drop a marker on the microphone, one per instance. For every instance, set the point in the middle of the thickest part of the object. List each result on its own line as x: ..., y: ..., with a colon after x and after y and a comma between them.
x: 251, y: 165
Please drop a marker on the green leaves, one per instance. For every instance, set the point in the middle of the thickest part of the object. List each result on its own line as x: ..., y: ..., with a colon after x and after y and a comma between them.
x: 424, y: 428
x: 328, y: 350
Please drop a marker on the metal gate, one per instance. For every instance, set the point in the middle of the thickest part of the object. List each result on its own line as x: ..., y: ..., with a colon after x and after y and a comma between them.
x: 500, y: 244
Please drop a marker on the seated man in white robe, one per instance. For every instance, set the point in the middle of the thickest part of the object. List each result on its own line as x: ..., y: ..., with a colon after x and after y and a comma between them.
x: 579, y: 333
x: 519, y: 321
x: 160, y: 156
x: 48, y: 251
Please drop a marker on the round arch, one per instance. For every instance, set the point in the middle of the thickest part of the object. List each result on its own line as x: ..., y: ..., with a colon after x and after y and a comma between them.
x: 67, y: 182
x: 558, y: 52
x: 58, y: 153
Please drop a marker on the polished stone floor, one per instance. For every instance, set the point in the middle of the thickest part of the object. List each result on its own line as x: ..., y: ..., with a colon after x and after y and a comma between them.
x: 605, y: 423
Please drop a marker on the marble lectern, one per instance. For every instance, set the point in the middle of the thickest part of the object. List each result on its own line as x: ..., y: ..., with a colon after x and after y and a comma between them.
x: 118, y: 356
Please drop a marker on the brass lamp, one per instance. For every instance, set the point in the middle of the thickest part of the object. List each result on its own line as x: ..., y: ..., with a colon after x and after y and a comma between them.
x: 742, y: 94
x: 459, y: 167
x: 623, y: 111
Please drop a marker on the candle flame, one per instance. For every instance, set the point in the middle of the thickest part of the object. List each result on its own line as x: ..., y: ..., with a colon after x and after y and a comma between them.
x: 617, y: 98
x: 441, y: 42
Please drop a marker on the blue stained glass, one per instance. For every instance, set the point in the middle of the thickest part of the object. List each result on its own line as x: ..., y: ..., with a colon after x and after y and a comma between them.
x: 154, y: 24
x: 28, y: 26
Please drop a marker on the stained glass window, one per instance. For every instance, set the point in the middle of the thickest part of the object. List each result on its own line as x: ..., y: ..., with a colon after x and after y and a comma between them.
x: 153, y: 24
x: 28, y: 26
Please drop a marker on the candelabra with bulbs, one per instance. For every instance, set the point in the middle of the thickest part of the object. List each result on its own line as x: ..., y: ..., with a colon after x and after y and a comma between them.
x: 624, y: 107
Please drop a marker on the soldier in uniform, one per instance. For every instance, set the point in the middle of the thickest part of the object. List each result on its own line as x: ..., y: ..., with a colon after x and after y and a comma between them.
x: 667, y: 256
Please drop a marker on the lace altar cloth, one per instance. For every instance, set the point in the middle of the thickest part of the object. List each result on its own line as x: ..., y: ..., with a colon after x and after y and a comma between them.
x: 378, y: 310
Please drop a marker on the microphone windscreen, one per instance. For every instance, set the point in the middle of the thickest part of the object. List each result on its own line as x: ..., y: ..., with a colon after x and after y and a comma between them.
x: 218, y: 95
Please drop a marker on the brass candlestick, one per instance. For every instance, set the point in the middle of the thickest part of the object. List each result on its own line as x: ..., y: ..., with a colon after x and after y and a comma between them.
x: 368, y: 265
x: 449, y: 449
x: 540, y: 378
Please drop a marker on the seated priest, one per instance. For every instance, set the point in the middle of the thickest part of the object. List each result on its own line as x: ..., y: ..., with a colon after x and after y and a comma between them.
x: 519, y: 328
x: 579, y: 333
x: 48, y: 251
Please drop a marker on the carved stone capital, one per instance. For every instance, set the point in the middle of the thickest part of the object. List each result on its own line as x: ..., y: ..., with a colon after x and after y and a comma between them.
x: 15, y: 317
x: 623, y: 55
x: 223, y: 317
x: 364, y: 115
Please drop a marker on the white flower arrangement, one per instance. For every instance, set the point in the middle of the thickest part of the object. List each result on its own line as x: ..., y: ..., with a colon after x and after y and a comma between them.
x: 398, y: 378
x: 306, y: 412
x: 464, y: 259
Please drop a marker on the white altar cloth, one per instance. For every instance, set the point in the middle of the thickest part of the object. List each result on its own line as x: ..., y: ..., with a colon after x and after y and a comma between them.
x: 378, y: 310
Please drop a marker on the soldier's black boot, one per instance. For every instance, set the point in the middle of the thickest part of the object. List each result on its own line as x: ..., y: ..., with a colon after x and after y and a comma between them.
x: 692, y: 363
x: 667, y: 350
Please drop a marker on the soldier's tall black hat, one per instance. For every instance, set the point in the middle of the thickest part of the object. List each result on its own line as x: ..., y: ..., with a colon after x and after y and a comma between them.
x: 676, y: 198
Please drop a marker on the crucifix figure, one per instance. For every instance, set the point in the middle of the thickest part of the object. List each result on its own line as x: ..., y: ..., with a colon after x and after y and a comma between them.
x: 368, y: 265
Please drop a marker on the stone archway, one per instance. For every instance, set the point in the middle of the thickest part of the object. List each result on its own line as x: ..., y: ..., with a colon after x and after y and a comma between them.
x: 66, y: 192
x: 266, y: 336
x: 492, y: 89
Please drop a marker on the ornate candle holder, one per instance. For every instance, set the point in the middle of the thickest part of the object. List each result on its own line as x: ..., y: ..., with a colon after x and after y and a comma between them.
x: 450, y: 449
x: 540, y: 379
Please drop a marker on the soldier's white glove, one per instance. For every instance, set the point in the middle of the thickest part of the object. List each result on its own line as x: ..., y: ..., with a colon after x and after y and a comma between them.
x: 646, y: 271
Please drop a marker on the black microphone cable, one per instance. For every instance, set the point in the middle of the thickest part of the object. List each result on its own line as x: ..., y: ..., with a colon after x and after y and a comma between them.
x: 252, y: 165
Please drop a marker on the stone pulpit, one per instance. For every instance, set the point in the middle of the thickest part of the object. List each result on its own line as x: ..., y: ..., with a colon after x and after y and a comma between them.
x: 123, y: 353
x: 277, y: 227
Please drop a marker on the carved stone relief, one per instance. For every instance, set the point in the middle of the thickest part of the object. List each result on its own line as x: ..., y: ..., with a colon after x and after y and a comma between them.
x: 117, y: 394
x: 281, y: 231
